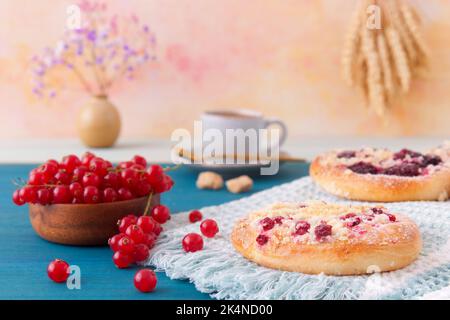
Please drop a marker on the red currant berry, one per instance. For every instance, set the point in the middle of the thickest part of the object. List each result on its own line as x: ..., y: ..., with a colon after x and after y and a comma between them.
x: 192, y: 242
x: 142, y: 188
x: 141, y: 252
x: 125, y: 244
x: 76, y: 190
x: 155, y: 174
x: 122, y: 260
x: 62, y: 177
x: 54, y: 162
x: 146, y: 223
x: 61, y: 194
x: 160, y: 214
x: 70, y: 162
x: 145, y: 280
x: 137, y: 167
x: 36, y: 178
x: 150, y: 239
x: 78, y: 173
x: 110, y: 195
x: 98, y: 166
x: 209, y: 228
x: 135, y: 233
x: 86, y: 158
x: 28, y: 194
x: 17, y: 199
x: 164, y: 185
x: 91, y: 195
x: 125, y: 164
x: 113, y: 242
x: 91, y: 179
x: 127, y: 221
x: 137, y: 159
x: 158, y: 229
x: 44, y: 196
x: 125, y: 194
x: 58, y: 270
x: 49, y: 169
x: 111, y: 180
x: 195, y: 216
x: 128, y: 178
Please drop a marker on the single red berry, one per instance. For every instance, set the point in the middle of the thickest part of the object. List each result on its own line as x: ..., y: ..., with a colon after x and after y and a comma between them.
x: 91, y: 195
x: 150, y: 239
x: 155, y: 174
x: 61, y: 194
x: 145, y: 280
x: 126, y: 221
x: 160, y: 214
x: 142, y: 188
x: 70, y: 162
x: 302, y: 227
x: 108, y: 164
x: 392, y: 218
x: 126, y: 244
x: 278, y: 220
x: 113, y: 242
x: 209, y: 228
x: 36, y: 178
x: 54, y: 162
x: 267, y: 223
x: 62, y: 177
x: 195, y: 216
x: 125, y: 194
x: 44, y: 196
x: 146, y: 223
x: 76, y: 190
x: 49, y: 169
x: 158, y: 229
x: 322, y: 230
x: 110, y: 195
x: 91, y: 179
x: 78, y: 173
x: 140, y: 160
x: 98, y: 166
x: 111, y: 180
x: 135, y: 233
x: 262, y: 239
x: 125, y: 164
x: 141, y: 252
x: 17, y: 199
x: 122, y: 260
x: 28, y: 194
x: 86, y: 158
x: 192, y: 242
x: 129, y: 178
x: 58, y: 270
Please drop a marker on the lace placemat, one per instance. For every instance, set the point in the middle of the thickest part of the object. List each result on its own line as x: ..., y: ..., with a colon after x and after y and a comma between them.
x: 222, y: 272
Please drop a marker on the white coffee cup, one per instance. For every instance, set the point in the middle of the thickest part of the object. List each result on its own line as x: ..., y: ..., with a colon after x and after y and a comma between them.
x: 240, y: 121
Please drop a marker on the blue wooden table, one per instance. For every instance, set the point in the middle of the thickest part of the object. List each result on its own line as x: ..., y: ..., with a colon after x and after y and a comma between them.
x: 24, y: 256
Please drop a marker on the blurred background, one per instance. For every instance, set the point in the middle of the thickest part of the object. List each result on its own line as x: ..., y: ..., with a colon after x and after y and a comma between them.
x: 279, y: 57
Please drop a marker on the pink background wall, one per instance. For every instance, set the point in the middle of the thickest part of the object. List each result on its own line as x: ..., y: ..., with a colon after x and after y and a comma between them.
x: 278, y: 56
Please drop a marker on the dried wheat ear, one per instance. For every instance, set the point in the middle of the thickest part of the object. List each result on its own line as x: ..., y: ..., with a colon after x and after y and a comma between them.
x: 383, y: 59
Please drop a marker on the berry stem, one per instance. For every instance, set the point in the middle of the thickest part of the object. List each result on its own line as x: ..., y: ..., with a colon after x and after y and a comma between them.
x: 149, y: 202
x: 175, y: 167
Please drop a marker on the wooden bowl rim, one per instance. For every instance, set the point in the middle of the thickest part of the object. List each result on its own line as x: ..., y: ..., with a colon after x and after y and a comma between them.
x: 81, y: 206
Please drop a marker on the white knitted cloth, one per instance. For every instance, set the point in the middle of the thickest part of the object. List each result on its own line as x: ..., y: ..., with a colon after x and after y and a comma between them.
x: 222, y: 272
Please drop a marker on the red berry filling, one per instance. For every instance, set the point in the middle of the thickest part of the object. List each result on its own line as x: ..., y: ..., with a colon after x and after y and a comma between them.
x: 322, y: 230
x: 406, y: 152
x: 346, y: 154
x: 406, y: 169
x: 267, y: 224
x: 262, y: 239
x: 364, y: 168
x: 301, y: 227
x: 278, y: 220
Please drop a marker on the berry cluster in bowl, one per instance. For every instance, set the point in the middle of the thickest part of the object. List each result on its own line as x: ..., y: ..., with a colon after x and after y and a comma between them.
x: 91, y: 180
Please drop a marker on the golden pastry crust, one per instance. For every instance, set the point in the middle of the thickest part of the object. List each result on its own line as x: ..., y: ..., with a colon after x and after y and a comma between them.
x: 334, y: 176
x: 374, y: 244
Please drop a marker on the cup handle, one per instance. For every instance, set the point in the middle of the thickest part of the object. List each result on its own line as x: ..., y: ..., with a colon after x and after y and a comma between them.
x: 284, y: 129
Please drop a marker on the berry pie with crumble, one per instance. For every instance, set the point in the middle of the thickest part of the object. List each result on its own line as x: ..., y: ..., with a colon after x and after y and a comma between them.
x: 317, y: 237
x: 371, y: 174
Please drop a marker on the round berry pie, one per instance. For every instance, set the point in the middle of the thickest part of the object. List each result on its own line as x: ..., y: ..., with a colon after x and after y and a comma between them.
x: 382, y: 175
x: 326, y: 238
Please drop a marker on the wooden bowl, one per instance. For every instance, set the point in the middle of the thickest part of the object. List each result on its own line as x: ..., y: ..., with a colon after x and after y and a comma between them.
x: 84, y: 224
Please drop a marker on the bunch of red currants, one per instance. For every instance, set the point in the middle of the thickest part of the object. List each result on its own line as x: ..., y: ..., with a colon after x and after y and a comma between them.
x: 91, y: 180
x: 137, y: 235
